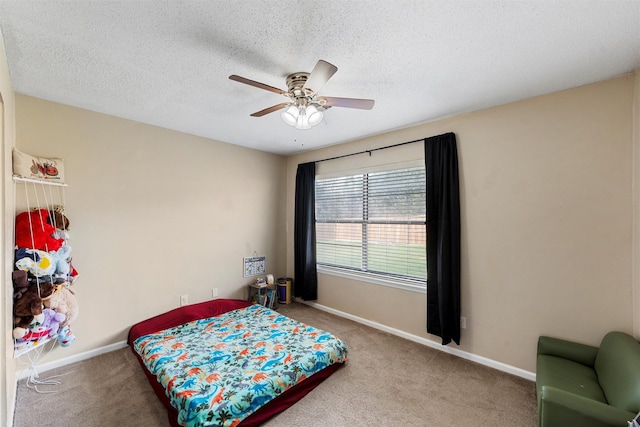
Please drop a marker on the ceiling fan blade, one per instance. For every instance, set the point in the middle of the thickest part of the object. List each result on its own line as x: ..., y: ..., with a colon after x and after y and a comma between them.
x: 320, y: 75
x: 363, y: 104
x: 271, y: 109
x: 257, y: 84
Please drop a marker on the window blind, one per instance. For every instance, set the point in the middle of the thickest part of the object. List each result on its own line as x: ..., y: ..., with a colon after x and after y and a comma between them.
x: 373, y: 222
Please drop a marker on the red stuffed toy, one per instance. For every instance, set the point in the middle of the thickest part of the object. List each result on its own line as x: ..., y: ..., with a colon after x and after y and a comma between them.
x: 42, y: 239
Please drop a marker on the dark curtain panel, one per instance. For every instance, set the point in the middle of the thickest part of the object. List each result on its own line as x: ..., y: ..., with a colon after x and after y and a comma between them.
x: 443, y: 238
x: 306, y: 276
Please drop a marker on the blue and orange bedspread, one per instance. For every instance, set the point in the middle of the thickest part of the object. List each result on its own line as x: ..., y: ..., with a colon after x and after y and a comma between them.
x: 218, y: 371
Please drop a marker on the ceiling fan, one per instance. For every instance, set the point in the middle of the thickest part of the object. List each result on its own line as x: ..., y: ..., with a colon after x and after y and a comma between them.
x: 305, y: 108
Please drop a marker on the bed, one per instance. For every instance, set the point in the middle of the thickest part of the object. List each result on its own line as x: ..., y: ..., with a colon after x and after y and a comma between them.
x: 228, y: 362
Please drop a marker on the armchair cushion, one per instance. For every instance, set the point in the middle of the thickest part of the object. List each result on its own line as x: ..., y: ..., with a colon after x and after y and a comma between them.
x: 581, y: 353
x: 588, y: 386
x: 562, y: 408
x: 567, y: 375
x: 618, y: 369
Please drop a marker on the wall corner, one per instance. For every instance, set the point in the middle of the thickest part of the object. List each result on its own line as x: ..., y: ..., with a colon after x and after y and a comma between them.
x: 635, y: 197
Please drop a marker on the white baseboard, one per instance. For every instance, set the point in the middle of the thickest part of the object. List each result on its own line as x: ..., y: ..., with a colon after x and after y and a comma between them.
x: 432, y: 344
x: 397, y: 332
x: 73, y: 359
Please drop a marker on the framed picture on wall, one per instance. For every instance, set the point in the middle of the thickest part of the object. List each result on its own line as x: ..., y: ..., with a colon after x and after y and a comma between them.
x: 254, y: 266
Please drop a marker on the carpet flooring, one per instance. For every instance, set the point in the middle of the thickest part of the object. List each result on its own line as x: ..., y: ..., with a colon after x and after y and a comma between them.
x: 388, y: 381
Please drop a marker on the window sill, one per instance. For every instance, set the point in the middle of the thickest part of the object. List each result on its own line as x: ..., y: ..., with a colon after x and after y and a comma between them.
x: 406, y: 285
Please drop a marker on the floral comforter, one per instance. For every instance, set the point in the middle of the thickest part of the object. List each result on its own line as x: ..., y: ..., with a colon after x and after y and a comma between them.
x: 218, y: 371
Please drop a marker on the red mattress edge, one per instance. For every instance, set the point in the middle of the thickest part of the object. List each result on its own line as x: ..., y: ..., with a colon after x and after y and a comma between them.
x: 184, y: 314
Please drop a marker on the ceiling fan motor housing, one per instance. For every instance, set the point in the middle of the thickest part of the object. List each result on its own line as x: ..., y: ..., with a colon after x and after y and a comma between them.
x: 295, y: 84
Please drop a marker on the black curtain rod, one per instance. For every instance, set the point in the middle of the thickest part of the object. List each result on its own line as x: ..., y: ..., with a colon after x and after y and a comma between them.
x: 370, y: 151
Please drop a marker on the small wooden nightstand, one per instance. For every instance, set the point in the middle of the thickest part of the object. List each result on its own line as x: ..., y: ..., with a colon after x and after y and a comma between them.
x: 266, y: 295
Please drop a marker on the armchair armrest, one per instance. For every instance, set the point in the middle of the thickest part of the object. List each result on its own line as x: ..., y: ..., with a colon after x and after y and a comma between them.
x: 576, y: 352
x: 559, y: 408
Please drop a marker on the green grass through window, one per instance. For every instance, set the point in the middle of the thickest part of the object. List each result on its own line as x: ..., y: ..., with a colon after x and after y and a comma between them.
x: 401, y: 259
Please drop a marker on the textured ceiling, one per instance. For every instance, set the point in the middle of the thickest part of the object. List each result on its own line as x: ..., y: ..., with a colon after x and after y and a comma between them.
x: 167, y: 63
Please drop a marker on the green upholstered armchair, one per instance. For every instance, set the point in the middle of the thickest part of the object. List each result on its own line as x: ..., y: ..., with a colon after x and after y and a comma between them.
x: 581, y: 385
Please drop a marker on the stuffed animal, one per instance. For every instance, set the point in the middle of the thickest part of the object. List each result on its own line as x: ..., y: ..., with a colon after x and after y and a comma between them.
x: 58, y: 219
x: 38, y: 263
x: 62, y: 257
x: 66, y: 337
x: 33, y: 231
x: 20, y: 283
x: 25, y: 309
x: 52, y: 320
x: 60, y: 234
x: 30, y: 303
x: 45, y: 328
x: 20, y: 332
x: 65, y: 302
x: 34, y: 333
x: 27, y: 306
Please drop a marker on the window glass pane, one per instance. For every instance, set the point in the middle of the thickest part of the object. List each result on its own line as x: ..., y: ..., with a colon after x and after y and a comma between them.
x: 398, y: 249
x: 339, y: 198
x: 373, y: 222
x: 397, y: 195
x: 339, y: 245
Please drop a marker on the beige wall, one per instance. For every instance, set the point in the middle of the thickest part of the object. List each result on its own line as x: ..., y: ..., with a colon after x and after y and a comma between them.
x: 7, y: 137
x: 546, y: 224
x: 154, y: 214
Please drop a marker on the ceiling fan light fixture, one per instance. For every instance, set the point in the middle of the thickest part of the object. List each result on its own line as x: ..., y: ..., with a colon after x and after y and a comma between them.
x: 315, y: 116
x: 290, y: 115
x: 301, y: 116
x: 303, y: 119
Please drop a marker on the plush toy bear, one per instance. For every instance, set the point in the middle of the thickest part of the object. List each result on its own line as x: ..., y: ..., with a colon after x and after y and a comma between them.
x: 33, y: 231
x: 30, y: 303
x: 65, y: 302
x: 25, y: 309
x: 20, y: 332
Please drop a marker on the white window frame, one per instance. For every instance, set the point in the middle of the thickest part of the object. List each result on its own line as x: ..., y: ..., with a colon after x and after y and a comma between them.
x: 375, y: 279
x: 406, y: 284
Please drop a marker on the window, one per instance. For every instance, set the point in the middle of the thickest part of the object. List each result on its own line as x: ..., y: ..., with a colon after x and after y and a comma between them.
x: 373, y: 224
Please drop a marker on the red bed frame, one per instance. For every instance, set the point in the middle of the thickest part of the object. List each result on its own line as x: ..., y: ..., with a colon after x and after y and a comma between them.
x: 205, y: 310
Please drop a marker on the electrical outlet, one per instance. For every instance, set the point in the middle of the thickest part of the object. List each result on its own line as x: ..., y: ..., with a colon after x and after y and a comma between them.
x: 214, y: 293
x: 184, y: 300
x: 463, y: 322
